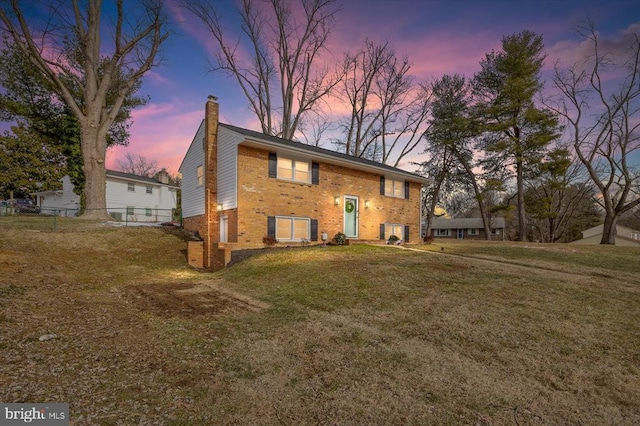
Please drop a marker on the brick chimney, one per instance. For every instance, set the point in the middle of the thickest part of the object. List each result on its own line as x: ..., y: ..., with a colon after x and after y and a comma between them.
x: 163, y: 176
x: 211, y: 178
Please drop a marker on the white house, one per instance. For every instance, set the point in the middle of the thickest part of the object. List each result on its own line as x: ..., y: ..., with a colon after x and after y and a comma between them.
x: 129, y: 198
x: 624, y: 236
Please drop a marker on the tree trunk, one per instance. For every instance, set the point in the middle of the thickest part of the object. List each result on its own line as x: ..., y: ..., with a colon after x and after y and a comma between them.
x: 609, y: 229
x: 522, y: 218
x: 94, y: 147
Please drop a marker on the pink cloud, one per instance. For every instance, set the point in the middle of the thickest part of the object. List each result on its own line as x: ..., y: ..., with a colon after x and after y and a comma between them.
x: 160, y: 132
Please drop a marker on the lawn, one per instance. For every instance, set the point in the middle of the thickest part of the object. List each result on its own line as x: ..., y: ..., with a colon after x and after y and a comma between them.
x: 477, y: 333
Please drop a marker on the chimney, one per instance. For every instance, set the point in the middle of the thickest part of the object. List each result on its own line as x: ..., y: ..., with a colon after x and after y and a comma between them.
x: 211, y: 178
x: 163, y: 176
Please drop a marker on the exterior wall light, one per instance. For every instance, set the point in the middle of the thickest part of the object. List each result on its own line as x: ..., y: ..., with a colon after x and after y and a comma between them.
x: 336, y: 200
x: 367, y: 204
x: 219, y: 207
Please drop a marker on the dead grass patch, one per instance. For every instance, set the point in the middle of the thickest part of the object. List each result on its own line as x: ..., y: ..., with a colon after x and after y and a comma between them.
x: 335, y: 335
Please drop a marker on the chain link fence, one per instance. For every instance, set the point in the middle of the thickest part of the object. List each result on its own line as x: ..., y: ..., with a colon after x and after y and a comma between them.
x: 134, y: 216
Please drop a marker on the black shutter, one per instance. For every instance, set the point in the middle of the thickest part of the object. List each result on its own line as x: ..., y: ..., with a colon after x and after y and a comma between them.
x: 406, y: 190
x: 314, y: 229
x: 382, y: 231
x: 271, y: 226
x: 315, y: 173
x: 406, y: 233
x: 273, y: 165
x: 381, y: 185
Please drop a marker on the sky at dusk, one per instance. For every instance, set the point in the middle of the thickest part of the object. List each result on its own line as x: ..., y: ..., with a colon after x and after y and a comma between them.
x: 439, y: 37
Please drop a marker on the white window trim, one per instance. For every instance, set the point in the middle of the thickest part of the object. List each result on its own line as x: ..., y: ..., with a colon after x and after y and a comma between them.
x: 495, y: 231
x: 442, y: 232
x: 400, y: 235
x: 293, y: 169
x: 148, y: 189
x: 473, y: 231
x: 293, y: 219
x: 393, y: 186
x: 199, y: 175
x: 131, y: 187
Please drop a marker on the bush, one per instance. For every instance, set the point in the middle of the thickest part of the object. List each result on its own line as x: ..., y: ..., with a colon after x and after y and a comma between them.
x: 428, y: 239
x: 269, y: 241
x: 340, y: 238
x: 392, y: 239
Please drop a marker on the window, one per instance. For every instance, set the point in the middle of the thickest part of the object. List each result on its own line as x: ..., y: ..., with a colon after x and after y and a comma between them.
x: 394, y: 188
x: 130, y: 211
x: 293, y: 169
x: 635, y: 235
x: 474, y: 231
x: 200, y: 175
x: 147, y: 212
x: 292, y: 228
x: 495, y: 231
x: 442, y: 232
x: 394, y: 229
x: 131, y: 187
x: 149, y: 189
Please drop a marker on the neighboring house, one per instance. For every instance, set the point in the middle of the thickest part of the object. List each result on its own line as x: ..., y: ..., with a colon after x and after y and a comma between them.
x: 469, y: 228
x: 63, y: 202
x: 624, y: 236
x: 129, y: 198
x: 239, y: 186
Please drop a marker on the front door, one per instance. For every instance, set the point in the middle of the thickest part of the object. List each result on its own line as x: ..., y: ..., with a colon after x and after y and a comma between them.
x: 351, y: 216
x: 460, y: 234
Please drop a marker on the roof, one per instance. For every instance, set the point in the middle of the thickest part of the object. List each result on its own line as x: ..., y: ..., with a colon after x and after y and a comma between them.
x: 465, y: 223
x: 260, y: 139
x: 131, y: 176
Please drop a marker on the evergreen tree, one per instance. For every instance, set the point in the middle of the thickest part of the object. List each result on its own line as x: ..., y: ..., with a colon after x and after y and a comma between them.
x: 516, y: 132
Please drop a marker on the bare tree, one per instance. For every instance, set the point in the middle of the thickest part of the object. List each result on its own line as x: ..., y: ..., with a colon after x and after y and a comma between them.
x: 281, y: 78
x: 559, y: 198
x: 68, y: 51
x: 138, y: 165
x: 388, y: 111
x: 603, y: 118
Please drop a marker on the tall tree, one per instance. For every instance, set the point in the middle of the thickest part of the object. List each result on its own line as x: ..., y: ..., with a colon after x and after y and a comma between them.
x: 33, y: 102
x: 516, y: 131
x: 605, y: 86
x: 68, y: 51
x: 452, y: 127
x: 283, y: 78
x: 558, y: 198
x: 388, y: 111
x: 28, y: 163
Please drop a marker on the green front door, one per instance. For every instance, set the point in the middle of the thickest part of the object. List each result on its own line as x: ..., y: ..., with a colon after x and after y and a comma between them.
x: 351, y: 216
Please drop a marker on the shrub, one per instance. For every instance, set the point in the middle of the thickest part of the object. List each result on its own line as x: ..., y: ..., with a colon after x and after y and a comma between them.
x: 428, y: 239
x: 340, y: 238
x: 392, y: 239
x: 269, y: 241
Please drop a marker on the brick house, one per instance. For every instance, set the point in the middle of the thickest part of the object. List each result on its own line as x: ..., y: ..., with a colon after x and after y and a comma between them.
x: 239, y: 186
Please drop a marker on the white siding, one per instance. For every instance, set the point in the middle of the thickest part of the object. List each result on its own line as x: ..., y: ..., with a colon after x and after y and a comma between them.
x: 228, y: 142
x: 192, y: 194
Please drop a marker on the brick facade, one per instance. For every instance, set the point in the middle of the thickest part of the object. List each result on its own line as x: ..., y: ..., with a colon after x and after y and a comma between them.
x: 260, y: 196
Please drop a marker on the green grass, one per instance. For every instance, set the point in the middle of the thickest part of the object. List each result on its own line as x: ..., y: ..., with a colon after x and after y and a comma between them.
x: 482, y: 333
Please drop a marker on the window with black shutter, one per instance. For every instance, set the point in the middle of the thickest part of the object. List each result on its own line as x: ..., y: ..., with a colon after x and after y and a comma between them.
x: 273, y: 165
x: 271, y: 226
x: 314, y: 230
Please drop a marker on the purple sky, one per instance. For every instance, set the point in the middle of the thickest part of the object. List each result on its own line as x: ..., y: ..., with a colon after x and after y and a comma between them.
x: 439, y: 37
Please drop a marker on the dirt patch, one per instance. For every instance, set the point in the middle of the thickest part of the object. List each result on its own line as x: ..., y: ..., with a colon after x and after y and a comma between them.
x: 187, y: 300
